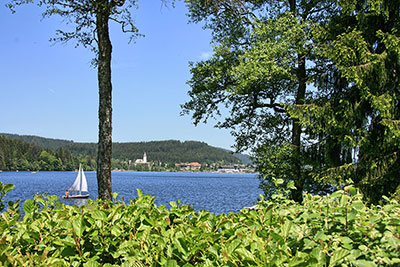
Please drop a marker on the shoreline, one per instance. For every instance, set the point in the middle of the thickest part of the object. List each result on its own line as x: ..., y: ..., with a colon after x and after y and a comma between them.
x: 169, y: 171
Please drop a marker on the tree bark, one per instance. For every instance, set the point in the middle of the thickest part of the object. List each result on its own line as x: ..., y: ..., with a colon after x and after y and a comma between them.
x: 297, y: 194
x: 105, y: 104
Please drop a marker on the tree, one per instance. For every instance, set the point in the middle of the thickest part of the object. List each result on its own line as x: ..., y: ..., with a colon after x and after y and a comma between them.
x: 91, y: 29
x: 361, y: 107
x: 259, y: 66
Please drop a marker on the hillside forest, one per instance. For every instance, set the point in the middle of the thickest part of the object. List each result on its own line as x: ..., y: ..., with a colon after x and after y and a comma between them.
x: 19, y: 152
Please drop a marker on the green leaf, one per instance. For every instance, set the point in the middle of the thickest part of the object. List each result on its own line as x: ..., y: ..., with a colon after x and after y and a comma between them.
x: 65, y: 224
x: 29, y: 206
x: 78, y: 226
x: 364, y: 263
x: 181, y: 245
x: 358, y: 205
x: 343, y: 200
x: 91, y: 263
x: 214, y: 250
x: 245, y: 254
x: 286, y: 228
x: 139, y: 193
x: 68, y: 252
x: 291, y: 185
x: 232, y: 246
x: 98, y: 215
x: 52, y: 199
x: 319, y: 235
x: 115, y: 231
x: 318, y: 254
x: 338, y: 255
x: 171, y: 263
x: 277, y: 237
x: 8, y: 188
x: 68, y: 241
x: 352, y: 191
x: 58, y: 205
x: 345, y: 240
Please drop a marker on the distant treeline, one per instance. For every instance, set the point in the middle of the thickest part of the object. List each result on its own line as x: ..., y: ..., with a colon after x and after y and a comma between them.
x: 168, y: 152
x: 19, y: 155
x: 43, y: 142
x: 37, y: 153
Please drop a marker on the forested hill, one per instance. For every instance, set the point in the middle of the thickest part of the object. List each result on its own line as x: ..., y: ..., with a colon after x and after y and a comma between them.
x: 170, y: 151
x: 43, y: 142
x: 20, y: 155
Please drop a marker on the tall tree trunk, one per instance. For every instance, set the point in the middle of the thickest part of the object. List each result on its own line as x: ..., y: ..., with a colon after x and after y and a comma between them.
x: 105, y: 104
x: 297, y: 194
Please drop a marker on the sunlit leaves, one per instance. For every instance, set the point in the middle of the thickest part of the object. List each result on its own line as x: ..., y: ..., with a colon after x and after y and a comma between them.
x: 325, y: 230
x: 354, y: 115
x: 4, y: 189
x: 270, y: 58
x: 29, y: 206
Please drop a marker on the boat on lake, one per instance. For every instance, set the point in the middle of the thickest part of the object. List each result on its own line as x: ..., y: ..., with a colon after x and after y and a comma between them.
x: 79, y: 186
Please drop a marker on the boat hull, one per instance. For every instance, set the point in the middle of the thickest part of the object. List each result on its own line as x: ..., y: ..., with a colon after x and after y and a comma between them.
x: 75, y: 196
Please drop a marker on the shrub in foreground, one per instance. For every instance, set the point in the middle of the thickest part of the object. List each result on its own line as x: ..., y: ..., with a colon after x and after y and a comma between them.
x: 335, y: 230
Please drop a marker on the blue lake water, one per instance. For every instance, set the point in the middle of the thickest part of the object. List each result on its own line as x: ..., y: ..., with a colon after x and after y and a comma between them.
x: 216, y: 192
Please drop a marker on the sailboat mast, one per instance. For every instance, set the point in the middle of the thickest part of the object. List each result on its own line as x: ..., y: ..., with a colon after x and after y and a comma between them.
x: 80, y: 184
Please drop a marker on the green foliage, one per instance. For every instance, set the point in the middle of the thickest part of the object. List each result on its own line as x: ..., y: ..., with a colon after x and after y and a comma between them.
x: 169, y: 152
x: 264, y: 60
x: 333, y: 230
x: 322, y: 76
x: 4, y: 189
x: 355, y: 116
x: 19, y: 155
x: 49, y: 143
x: 172, y: 151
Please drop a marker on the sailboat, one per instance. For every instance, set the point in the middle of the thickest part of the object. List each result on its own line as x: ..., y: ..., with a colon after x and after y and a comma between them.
x: 80, y: 185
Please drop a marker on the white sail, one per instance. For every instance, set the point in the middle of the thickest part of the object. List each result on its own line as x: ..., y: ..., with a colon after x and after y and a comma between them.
x: 84, y: 182
x: 77, y: 184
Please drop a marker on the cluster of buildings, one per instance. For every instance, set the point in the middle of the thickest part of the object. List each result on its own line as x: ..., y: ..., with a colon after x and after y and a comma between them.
x: 192, y: 166
x: 141, y: 162
x: 195, y: 166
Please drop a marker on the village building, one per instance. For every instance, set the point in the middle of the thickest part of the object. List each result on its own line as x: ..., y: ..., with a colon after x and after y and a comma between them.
x: 143, y: 161
x: 189, y: 166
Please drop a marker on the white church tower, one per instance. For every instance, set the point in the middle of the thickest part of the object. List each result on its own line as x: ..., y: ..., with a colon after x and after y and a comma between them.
x: 142, y: 161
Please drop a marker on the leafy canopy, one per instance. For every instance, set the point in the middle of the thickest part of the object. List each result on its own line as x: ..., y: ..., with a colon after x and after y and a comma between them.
x: 325, y: 231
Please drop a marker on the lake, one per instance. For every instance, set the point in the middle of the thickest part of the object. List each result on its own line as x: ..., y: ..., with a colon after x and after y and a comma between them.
x: 215, y: 192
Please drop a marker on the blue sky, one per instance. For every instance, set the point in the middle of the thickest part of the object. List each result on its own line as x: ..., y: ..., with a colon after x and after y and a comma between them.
x: 51, y: 90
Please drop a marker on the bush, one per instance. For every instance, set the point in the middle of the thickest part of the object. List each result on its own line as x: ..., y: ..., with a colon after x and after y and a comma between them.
x: 335, y: 230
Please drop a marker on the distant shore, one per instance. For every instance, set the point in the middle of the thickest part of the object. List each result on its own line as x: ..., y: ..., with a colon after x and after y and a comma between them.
x: 118, y: 170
